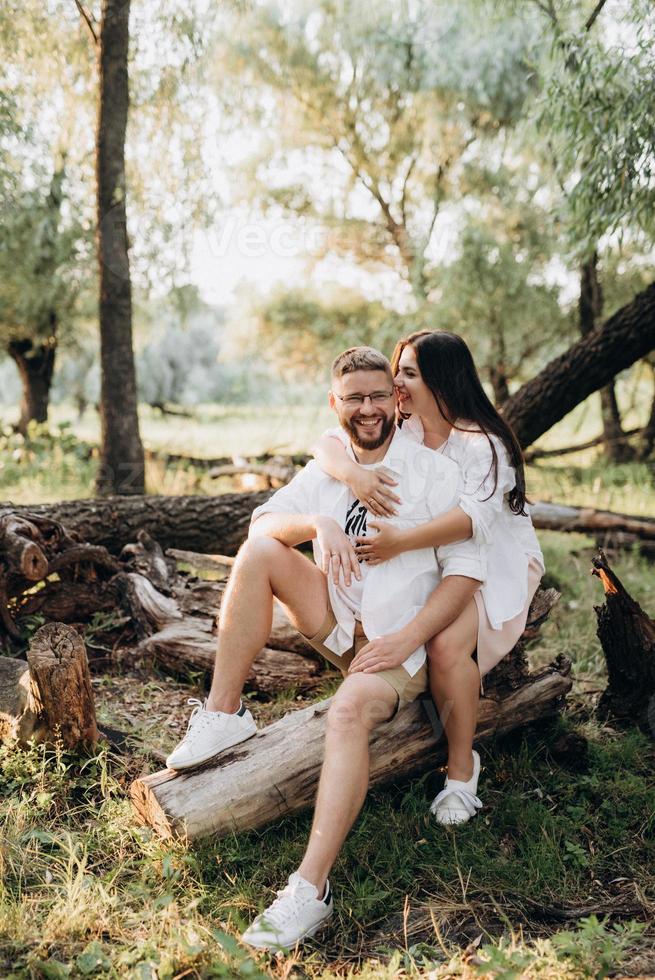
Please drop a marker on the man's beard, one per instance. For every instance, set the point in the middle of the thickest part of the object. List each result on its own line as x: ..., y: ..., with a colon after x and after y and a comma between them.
x: 388, y: 423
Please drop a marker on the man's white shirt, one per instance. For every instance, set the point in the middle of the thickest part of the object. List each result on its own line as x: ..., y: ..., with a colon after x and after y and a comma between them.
x: 395, y: 591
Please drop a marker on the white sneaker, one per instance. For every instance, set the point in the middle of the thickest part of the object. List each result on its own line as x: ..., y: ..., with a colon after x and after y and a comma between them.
x: 296, y: 914
x: 209, y: 733
x: 457, y: 802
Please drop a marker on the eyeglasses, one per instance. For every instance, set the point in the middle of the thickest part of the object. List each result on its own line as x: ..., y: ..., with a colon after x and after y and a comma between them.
x: 377, y: 398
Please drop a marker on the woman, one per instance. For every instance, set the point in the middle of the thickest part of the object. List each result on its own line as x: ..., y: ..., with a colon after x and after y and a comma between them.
x: 442, y: 403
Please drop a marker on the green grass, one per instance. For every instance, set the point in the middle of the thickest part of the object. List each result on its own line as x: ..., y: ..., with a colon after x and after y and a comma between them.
x: 84, y: 891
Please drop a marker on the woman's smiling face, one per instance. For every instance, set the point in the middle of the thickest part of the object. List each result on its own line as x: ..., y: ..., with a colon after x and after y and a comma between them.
x: 414, y: 396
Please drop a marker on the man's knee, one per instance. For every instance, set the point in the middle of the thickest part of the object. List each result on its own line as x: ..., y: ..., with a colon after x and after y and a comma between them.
x: 442, y: 653
x: 261, y: 550
x: 360, y: 703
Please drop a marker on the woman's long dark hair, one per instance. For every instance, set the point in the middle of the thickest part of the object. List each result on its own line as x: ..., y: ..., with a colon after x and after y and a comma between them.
x: 447, y: 368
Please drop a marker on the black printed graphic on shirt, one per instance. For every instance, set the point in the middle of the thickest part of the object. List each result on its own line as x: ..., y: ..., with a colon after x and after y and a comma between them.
x: 356, y: 520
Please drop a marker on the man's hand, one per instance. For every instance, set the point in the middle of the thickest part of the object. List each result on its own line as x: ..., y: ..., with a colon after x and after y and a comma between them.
x: 382, y: 654
x: 338, y: 554
x: 386, y: 544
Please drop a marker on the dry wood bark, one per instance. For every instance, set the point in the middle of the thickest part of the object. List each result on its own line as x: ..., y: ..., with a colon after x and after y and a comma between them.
x: 19, y: 711
x: 276, y: 772
x: 607, y: 526
x: 32, y: 547
x: 62, y: 685
x: 627, y: 636
x: 206, y: 524
x: 180, y: 639
x: 592, y: 362
x: 122, y: 467
x: 220, y: 524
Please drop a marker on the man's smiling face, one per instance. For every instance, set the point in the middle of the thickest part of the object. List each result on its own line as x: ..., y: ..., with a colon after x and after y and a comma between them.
x: 365, y: 403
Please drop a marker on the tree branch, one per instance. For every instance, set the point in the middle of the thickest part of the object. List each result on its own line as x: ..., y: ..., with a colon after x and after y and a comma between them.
x: 88, y: 19
x: 594, y: 14
x: 403, y: 196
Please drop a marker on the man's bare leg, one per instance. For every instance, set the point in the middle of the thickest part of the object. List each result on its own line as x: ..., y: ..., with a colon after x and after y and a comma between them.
x: 455, y: 687
x: 264, y: 568
x: 362, y: 702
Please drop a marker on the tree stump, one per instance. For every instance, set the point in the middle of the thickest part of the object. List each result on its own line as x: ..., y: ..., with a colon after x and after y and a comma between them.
x: 19, y: 713
x: 627, y: 636
x: 62, y: 685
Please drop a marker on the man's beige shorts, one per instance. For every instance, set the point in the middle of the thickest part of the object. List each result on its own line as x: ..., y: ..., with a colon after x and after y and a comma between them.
x: 406, y: 687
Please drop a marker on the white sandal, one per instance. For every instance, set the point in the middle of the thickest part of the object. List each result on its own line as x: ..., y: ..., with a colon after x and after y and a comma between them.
x: 457, y: 802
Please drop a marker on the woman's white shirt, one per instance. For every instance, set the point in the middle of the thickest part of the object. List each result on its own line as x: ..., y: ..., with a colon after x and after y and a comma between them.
x: 508, y: 540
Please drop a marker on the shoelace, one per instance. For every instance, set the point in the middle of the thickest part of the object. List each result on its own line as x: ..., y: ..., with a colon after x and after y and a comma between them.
x: 469, y: 800
x: 286, y: 906
x: 196, y: 722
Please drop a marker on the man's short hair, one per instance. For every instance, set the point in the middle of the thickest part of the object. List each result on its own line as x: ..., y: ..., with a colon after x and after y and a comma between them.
x: 360, y: 359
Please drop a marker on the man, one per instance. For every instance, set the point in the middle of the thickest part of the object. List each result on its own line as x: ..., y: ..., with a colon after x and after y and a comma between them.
x: 371, y: 622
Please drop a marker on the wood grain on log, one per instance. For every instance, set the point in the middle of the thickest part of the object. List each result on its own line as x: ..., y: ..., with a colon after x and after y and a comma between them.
x: 213, y: 524
x: 191, y: 645
x: 18, y: 549
x: 62, y: 684
x: 276, y: 772
x: 559, y: 517
x: 19, y: 712
x: 220, y: 524
x: 627, y: 636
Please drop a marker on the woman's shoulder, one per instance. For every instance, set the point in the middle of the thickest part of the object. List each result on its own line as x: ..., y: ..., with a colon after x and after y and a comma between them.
x: 469, y: 440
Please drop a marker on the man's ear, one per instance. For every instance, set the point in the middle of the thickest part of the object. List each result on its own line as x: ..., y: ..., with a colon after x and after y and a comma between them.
x: 332, y: 402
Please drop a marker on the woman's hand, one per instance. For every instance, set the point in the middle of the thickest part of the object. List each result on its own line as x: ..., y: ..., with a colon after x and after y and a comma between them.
x: 386, y: 544
x: 372, y: 489
x: 338, y: 554
x: 382, y: 654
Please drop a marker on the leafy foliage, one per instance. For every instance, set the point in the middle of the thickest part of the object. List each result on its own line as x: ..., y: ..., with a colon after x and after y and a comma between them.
x: 595, y: 113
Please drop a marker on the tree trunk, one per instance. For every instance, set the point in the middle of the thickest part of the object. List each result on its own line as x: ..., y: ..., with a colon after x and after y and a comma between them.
x: 36, y: 364
x: 276, y: 772
x: 498, y: 380
x: 590, y: 308
x: 648, y: 435
x: 62, y: 685
x: 595, y: 359
x: 627, y: 636
x: 121, y: 464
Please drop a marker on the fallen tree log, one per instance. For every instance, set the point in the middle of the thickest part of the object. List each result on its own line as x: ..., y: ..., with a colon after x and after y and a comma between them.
x: 560, y: 517
x: 208, y: 525
x: 183, y: 646
x: 627, y: 636
x: 214, y: 524
x: 610, y: 529
x: 276, y: 772
x: 173, y: 610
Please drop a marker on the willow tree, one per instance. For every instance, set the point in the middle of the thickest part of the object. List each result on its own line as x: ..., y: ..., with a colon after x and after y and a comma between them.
x: 370, y: 114
x: 41, y: 276
x: 596, y: 122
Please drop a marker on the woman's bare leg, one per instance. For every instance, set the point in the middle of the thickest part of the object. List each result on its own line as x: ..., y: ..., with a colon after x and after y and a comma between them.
x: 455, y: 687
